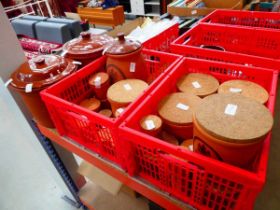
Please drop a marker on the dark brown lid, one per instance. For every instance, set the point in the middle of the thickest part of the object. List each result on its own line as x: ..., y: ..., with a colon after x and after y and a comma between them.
x: 178, y: 108
x: 233, y: 118
x: 245, y: 88
x: 123, y: 46
x: 86, y: 45
x: 41, y: 71
x: 199, y: 84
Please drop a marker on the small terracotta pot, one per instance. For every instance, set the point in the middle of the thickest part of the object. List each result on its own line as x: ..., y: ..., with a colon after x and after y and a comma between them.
x: 188, y: 144
x: 106, y: 112
x: 167, y: 137
x: 91, y: 104
x: 151, y: 125
x: 119, y: 111
x: 100, y: 83
x: 125, y: 60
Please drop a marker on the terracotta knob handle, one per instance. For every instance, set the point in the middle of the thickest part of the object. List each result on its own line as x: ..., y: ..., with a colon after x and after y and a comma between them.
x: 121, y: 37
x: 85, y: 35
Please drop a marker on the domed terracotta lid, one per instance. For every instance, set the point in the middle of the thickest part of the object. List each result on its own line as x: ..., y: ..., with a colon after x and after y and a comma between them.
x: 123, y: 46
x: 126, y: 91
x: 86, y: 45
x: 233, y: 118
x: 199, y: 84
x: 178, y: 108
x: 245, y: 88
x: 41, y: 71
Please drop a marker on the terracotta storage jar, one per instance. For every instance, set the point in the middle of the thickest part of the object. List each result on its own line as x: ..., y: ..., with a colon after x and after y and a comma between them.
x: 231, y: 128
x: 100, y: 83
x: 151, y: 125
x: 176, y: 110
x: 37, y: 74
x: 122, y: 93
x: 91, y: 104
x: 199, y: 84
x: 87, y: 47
x: 125, y: 60
x: 245, y: 88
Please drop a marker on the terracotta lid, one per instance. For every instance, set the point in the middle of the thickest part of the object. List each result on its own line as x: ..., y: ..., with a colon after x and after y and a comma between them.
x: 123, y: 46
x: 126, y: 91
x: 245, y: 88
x: 86, y: 44
x: 178, y: 108
x: 233, y: 118
x: 188, y: 144
x: 92, y: 104
x: 199, y: 84
x: 106, y: 112
x: 42, y: 71
x: 151, y: 123
x: 119, y: 111
x: 98, y: 79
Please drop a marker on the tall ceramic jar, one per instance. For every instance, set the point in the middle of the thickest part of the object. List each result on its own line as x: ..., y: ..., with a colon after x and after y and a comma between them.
x: 125, y: 60
x: 37, y: 74
x: 87, y: 47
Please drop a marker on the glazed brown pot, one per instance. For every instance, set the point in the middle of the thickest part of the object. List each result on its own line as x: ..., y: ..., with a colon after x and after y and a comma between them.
x: 87, y: 47
x: 231, y: 128
x: 35, y: 75
x: 125, y: 60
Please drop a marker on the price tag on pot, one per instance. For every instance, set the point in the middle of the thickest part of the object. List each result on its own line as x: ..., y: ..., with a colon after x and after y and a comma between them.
x: 182, y: 106
x: 193, y: 12
x: 190, y: 147
x: 231, y: 109
x: 97, y: 82
x: 127, y: 87
x: 28, y: 88
x: 196, y: 84
x: 150, y: 124
x: 235, y: 90
x: 132, y: 67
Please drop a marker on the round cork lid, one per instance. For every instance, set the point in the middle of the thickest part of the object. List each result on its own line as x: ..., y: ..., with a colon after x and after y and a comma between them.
x: 245, y: 88
x: 234, y: 118
x: 126, y: 91
x: 178, y: 108
x: 92, y: 104
x: 151, y: 123
x: 199, y: 84
x: 106, y: 112
x: 99, y: 79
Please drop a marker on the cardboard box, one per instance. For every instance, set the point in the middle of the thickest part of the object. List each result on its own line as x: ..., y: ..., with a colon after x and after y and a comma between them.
x: 104, y: 180
x: 177, y: 8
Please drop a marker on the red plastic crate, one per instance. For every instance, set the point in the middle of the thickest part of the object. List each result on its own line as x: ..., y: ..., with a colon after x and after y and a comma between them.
x: 162, y: 41
x: 90, y: 129
x: 200, y: 181
x: 265, y: 20
x: 255, y: 47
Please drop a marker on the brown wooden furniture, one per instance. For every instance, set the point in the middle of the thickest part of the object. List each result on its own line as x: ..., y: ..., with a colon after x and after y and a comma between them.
x: 97, y: 16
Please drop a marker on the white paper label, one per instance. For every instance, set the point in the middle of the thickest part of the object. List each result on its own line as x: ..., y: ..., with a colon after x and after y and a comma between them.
x: 120, y: 110
x: 182, y: 106
x: 196, y: 84
x: 193, y: 12
x: 231, y: 109
x: 127, y: 87
x: 150, y: 124
x: 8, y: 82
x: 97, y: 82
x: 190, y: 147
x: 28, y: 88
x: 235, y: 90
x: 132, y: 67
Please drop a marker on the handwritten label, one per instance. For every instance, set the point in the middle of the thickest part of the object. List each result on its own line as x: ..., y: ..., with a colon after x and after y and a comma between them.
x: 150, y: 124
x: 132, y: 67
x: 127, y: 87
x: 231, y: 109
x: 235, y: 90
x: 28, y: 88
x: 196, y: 84
x: 182, y: 106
